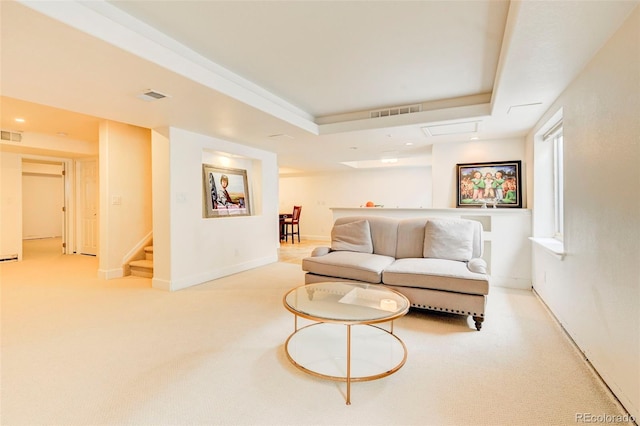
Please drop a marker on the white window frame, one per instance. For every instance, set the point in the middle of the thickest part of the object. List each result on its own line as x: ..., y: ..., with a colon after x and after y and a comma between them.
x: 556, y: 137
x: 548, y: 189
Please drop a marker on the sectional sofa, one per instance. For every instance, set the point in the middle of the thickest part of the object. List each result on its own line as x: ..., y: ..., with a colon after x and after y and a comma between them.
x: 436, y: 263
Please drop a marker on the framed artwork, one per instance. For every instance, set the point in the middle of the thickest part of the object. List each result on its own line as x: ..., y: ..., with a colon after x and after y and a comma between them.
x: 225, y: 192
x: 495, y: 184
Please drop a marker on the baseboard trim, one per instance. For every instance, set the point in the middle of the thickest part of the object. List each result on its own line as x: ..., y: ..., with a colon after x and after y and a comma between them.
x: 196, y: 279
x: 109, y: 274
x: 161, y: 284
x: 9, y: 258
x: 508, y: 282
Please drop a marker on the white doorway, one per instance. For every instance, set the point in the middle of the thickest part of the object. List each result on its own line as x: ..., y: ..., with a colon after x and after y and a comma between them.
x: 43, y: 201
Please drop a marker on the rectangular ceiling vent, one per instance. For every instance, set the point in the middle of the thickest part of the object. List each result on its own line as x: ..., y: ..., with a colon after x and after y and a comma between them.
x: 406, y: 109
x: 6, y: 135
x: 152, y: 95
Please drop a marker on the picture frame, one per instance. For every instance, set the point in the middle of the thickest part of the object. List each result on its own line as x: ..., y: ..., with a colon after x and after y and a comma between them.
x: 225, y: 192
x: 490, y: 184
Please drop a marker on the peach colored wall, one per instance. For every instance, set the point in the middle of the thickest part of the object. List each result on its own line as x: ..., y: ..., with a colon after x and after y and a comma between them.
x: 125, y: 193
x: 10, y: 204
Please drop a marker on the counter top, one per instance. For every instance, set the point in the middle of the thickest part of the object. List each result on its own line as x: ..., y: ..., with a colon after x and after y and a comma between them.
x: 453, y: 211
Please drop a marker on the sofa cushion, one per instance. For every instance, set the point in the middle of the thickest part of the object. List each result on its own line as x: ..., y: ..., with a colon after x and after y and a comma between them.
x: 352, y: 236
x: 450, y: 239
x: 436, y: 274
x: 384, y: 232
x: 348, y: 264
x: 411, y: 237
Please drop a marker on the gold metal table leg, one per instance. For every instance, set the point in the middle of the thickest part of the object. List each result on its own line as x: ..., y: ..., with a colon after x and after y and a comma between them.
x: 348, y: 364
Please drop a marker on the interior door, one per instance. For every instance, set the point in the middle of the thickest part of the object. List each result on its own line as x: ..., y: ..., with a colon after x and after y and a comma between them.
x: 88, y: 207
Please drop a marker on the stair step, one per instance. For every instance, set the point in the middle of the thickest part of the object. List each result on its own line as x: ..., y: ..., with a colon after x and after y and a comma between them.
x: 144, y: 263
x: 141, y: 268
x: 148, y: 253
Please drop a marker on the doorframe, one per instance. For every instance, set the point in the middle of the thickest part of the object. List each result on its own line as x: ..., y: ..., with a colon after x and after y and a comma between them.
x: 68, y: 177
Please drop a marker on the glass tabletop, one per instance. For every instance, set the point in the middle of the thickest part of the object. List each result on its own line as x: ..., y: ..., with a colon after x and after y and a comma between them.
x: 347, y: 303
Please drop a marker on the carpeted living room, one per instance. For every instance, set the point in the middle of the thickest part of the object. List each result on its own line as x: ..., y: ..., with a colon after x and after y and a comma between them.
x: 447, y: 187
x: 78, y: 350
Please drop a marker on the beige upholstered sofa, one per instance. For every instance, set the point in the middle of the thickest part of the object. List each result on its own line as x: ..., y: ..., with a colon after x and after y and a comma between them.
x: 434, y: 262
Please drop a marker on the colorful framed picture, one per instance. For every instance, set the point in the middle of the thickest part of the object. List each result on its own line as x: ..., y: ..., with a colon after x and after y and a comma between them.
x: 494, y: 184
x: 226, y: 192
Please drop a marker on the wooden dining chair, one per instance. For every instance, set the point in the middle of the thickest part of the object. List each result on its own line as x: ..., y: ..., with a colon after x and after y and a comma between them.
x: 292, y: 225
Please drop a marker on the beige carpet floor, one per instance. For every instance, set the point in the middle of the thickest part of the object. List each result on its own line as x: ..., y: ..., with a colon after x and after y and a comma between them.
x: 77, y: 350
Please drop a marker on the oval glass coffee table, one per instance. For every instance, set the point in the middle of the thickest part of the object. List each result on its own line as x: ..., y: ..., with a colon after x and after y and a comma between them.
x: 328, y: 349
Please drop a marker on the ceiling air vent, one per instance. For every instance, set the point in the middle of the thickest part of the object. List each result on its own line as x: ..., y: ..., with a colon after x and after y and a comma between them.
x: 6, y: 135
x: 406, y: 109
x: 152, y: 95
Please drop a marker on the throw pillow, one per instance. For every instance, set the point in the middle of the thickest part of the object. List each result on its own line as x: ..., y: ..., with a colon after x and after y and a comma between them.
x: 353, y: 236
x: 450, y: 239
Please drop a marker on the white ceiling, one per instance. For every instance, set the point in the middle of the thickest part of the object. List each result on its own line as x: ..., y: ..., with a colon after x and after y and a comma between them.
x: 305, y: 70
x: 336, y: 57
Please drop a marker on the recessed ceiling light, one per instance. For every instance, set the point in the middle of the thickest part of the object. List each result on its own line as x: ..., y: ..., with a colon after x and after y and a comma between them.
x: 20, y: 120
x: 473, y: 138
x: 63, y: 134
x: 409, y: 143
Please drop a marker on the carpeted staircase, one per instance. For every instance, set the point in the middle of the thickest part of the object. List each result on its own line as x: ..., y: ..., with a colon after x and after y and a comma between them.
x: 143, y: 267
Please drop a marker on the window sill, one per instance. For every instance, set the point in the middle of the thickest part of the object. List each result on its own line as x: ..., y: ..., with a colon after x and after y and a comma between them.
x: 552, y: 245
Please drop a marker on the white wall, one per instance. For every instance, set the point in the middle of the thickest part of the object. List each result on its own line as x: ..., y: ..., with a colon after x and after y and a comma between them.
x: 420, y: 187
x: 317, y: 193
x: 197, y: 249
x: 125, y: 194
x: 42, y: 202
x: 595, y: 291
x: 447, y: 155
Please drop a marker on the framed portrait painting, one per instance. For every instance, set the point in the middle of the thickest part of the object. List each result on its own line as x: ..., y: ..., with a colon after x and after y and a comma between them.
x: 225, y: 192
x: 494, y: 184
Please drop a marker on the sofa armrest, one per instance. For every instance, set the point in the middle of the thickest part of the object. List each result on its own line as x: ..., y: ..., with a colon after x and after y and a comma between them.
x: 477, y: 265
x: 320, y: 251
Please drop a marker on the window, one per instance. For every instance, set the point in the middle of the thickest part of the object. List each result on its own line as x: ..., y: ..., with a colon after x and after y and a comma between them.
x: 554, y: 137
x: 548, y: 188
